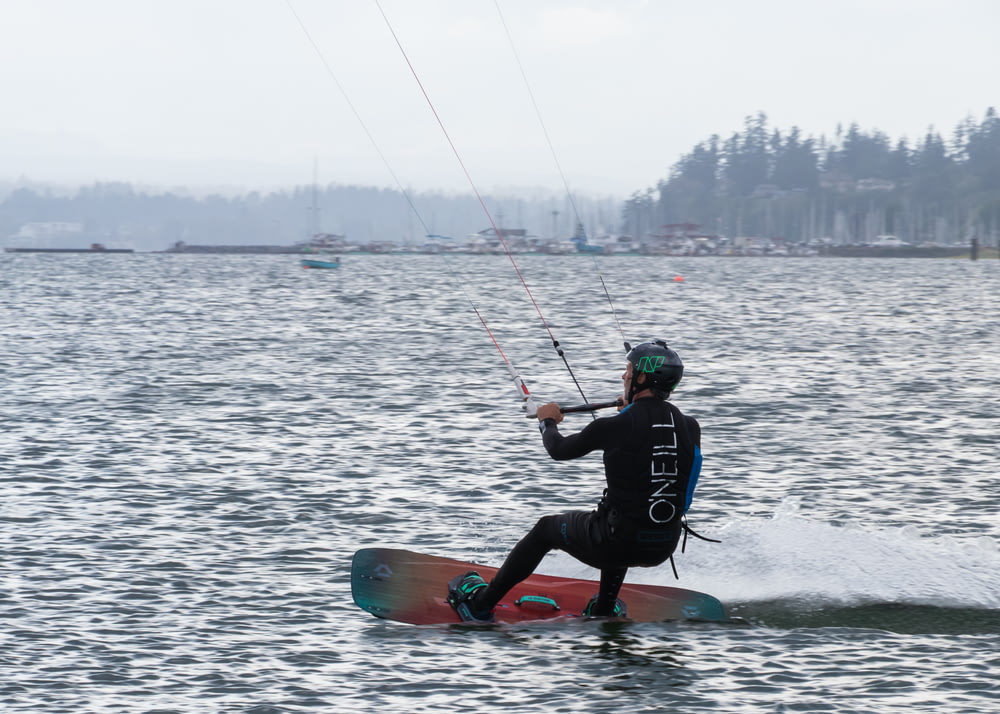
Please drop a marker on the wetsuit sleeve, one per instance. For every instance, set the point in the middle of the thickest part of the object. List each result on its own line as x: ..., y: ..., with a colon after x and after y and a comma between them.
x: 596, y: 435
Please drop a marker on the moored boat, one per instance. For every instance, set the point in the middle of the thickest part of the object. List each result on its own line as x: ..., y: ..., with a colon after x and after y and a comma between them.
x: 312, y: 263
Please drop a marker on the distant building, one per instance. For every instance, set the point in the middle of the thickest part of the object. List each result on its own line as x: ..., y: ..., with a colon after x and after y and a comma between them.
x: 836, y: 182
x: 47, y: 229
x: 875, y: 184
x: 767, y: 190
x: 57, y: 235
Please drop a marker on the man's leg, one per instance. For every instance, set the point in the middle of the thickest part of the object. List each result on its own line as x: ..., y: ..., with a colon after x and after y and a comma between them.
x: 562, y: 531
x: 607, y: 596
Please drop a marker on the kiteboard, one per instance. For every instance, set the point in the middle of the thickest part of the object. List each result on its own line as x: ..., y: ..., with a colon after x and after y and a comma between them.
x: 413, y: 588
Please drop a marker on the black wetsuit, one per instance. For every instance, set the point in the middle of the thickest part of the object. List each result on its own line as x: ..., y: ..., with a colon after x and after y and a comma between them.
x: 652, y: 458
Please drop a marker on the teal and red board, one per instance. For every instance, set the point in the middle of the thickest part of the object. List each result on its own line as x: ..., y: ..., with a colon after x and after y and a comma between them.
x: 412, y: 587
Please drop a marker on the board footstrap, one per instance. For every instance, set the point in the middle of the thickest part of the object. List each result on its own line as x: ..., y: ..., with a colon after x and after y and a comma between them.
x: 535, y: 600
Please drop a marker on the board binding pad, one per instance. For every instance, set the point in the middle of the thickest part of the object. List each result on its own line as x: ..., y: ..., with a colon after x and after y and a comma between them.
x: 412, y: 587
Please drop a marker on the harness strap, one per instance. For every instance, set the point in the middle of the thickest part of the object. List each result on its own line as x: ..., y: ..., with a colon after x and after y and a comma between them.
x: 687, y: 529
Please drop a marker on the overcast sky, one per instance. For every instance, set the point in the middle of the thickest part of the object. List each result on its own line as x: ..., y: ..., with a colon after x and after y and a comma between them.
x: 213, y: 93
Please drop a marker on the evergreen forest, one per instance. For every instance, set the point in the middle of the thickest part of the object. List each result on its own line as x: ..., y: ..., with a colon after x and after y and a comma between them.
x: 848, y: 189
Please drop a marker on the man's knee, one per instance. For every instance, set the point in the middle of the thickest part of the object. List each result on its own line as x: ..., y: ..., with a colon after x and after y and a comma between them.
x: 553, y: 531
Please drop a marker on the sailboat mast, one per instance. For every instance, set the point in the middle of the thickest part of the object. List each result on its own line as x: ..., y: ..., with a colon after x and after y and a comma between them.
x: 315, y: 199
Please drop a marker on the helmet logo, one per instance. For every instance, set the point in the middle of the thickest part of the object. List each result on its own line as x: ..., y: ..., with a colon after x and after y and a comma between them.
x: 650, y: 363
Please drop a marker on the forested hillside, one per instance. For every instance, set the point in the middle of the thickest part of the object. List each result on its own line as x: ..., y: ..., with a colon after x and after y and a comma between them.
x: 850, y: 188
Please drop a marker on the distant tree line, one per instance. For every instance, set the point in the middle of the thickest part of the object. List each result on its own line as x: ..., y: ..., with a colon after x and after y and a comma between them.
x: 759, y: 182
x: 119, y: 215
x: 767, y: 183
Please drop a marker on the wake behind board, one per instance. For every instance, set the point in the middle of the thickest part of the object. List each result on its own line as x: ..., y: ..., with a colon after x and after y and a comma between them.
x: 412, y: 587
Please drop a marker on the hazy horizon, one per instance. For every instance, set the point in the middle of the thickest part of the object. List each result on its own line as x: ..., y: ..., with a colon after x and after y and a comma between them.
x: 235, y: 95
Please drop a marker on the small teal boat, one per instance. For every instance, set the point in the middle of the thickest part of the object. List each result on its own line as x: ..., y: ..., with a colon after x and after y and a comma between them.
x: 310, y: 263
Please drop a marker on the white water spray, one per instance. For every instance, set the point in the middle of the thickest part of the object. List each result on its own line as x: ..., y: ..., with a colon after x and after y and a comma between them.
x: 789, y: 557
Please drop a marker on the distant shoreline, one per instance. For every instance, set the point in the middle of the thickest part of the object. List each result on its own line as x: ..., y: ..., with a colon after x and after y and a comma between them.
x: 69, y: 250
x: 952, y: 252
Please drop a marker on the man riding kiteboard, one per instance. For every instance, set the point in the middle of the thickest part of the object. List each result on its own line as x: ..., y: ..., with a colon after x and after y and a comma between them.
x: 652, y: 459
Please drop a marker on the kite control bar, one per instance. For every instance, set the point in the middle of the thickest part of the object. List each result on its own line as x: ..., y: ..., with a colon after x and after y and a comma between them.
x: 591, y: 407
x: 531, y: 407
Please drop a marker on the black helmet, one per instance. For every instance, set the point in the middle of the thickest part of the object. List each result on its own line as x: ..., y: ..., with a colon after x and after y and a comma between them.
x: 661, y: 365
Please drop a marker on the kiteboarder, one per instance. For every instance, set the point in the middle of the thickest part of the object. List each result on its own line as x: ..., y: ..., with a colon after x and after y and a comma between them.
x: 652, y: 459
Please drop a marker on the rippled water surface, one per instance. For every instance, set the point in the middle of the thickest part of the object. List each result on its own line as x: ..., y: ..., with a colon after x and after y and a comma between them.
x: 193, y: 447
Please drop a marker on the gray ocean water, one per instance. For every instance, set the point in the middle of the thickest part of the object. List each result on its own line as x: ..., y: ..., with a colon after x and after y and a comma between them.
x: 192, y: 448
